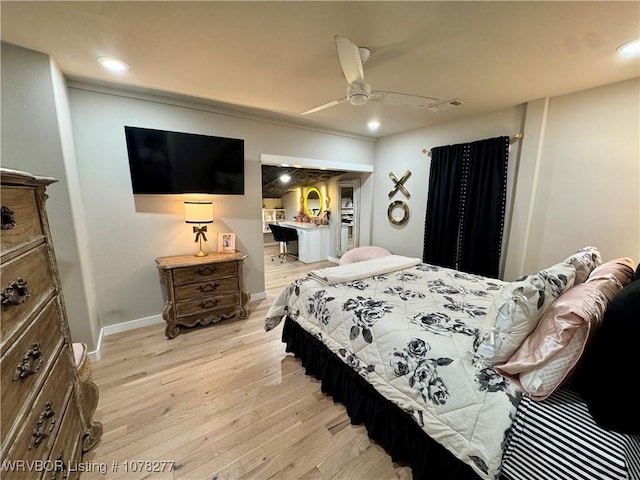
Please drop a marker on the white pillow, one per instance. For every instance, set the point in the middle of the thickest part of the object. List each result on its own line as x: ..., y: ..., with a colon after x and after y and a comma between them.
x: 518, y: 308
x: 584, y: 261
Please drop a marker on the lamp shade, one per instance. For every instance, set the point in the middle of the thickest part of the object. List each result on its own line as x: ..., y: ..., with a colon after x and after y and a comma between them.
x: 198, y: 212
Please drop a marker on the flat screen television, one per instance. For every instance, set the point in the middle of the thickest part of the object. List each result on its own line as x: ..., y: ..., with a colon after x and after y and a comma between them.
x: 163, y: 162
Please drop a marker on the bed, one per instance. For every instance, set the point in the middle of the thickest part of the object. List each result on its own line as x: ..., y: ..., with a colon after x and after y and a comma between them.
x: 414, y: 351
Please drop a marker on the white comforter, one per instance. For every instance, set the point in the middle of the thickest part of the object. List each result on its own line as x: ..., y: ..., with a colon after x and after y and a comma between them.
x: 410, y: 334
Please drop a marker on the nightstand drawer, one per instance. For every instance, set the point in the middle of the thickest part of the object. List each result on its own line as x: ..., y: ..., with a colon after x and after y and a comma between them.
x: 43, y: 420
x: 26, y: 282
x: 212, y: 287
x: 204, y: 273
x: 25, y: 363
x: 20, y: 217
x: 207, y: 304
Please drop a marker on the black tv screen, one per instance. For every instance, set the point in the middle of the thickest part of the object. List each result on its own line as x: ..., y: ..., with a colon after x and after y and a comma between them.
x: 173, y: 162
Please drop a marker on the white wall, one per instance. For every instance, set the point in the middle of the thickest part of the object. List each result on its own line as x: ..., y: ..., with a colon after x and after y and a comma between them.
x: 37, y: 138
x: 574, y: 180
x: 127, y: 233
x: 580, y: 178
x: 402, y: 152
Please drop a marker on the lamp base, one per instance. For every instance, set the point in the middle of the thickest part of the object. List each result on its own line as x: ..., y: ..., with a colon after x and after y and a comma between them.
x: 200, y: 235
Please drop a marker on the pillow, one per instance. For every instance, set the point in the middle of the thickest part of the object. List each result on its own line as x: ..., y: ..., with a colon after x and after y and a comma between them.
x: 360, y: 254
x: 622, y: 269
x: 518, y: 308
x: 584, y: 261
x: 549, y: 355
x: 606, y: 376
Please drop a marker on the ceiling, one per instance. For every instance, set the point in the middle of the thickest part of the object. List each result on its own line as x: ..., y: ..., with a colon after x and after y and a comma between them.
x: 278, y: 59
x: 273, y: 187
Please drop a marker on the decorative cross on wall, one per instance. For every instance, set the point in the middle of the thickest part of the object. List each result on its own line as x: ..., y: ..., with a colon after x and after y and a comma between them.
x: 399, y: 184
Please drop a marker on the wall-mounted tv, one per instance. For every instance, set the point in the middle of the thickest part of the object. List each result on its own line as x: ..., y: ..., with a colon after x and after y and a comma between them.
x: 163, y: 162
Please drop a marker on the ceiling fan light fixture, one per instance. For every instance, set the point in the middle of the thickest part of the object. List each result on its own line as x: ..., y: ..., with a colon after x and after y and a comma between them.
x: 358, y: 93
x: 358, y: 99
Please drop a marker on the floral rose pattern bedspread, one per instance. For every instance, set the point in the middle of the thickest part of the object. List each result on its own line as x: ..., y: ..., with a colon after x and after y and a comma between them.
x: 411, y: 335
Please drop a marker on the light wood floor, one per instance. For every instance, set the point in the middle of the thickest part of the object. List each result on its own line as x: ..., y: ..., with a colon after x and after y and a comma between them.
x: 225, y: 402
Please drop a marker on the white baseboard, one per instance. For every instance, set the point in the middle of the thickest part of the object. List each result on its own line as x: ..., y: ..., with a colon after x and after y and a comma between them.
x: 122, y: 327
x: 139, y: 323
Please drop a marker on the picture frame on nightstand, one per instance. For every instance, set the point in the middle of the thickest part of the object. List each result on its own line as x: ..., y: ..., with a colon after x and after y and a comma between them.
x: 226, y: 242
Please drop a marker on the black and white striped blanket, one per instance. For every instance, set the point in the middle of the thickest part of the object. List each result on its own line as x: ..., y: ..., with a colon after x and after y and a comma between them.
x: 557, y: 439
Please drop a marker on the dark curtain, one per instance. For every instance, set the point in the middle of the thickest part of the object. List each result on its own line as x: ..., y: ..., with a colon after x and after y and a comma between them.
x: 441, y: 223
x: 466, y: 206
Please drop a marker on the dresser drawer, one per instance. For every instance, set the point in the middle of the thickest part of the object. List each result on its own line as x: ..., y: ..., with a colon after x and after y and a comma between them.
x: 26, y: 282
x: 20, y: 217
x: 25, y: 363
x: 67, y: 449
x: 207, y: 304
x: 35, y: 439
x: 212, y: 287
x: 204, y: 273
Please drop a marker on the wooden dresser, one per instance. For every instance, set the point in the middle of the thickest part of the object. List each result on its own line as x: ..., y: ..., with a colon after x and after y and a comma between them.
x: 202, y: 290
x: 46, y: 407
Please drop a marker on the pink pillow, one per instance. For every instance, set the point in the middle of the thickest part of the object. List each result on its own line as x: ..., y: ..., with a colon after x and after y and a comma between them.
x: 622, y: 269
x: 360, y: 254
x: 548, y: 356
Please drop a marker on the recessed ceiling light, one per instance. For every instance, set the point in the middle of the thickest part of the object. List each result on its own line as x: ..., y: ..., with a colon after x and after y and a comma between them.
x: 113, y: 64
x: 284, y: 164
x: 630, y: 49
x: 285, y: 178
x: 373, y: 125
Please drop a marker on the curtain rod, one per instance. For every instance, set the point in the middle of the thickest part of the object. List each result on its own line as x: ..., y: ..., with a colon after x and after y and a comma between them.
x: 512, y: 139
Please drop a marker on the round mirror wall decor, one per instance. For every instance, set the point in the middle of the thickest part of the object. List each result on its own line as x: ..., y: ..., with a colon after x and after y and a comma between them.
x: 312, y: 202
x: 393, y: 217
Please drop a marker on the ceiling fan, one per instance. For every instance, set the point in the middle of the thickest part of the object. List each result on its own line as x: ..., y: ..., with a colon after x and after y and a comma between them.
x: 352, y: 58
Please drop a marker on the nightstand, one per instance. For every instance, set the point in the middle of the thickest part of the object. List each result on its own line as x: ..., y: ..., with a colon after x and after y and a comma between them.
x: 202, y: 290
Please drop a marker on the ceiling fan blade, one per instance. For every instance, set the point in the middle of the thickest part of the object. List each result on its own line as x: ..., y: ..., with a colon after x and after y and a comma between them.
x: 333, y: 103
x: 395, y: 98
x: 350, y: 59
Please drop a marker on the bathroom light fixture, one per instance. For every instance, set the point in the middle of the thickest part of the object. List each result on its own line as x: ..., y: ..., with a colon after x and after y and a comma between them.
x: 373, y: 125
x: 629, y: 49
x: 113, y: 64
x: 199, y: 212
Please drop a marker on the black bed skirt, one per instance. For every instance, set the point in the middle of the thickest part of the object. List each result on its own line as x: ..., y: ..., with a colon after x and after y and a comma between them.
x: 386, y: 423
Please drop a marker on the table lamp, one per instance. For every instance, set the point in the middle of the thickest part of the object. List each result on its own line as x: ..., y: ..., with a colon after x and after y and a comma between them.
x: 199, y: 212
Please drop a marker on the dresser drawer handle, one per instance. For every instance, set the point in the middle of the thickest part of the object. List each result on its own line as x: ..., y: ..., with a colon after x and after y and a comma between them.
x: 31, y: 362
x: 59, y: 468
x: 207, y: 270
x: 209, y: 287
x: 15, y: 293
x: 209, y: 303
x: 8, y: 222
x: 44, y: 426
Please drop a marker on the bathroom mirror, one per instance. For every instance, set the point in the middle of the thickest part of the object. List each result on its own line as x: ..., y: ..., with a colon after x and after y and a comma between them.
x: 349, y: 215
x: 312, y: 202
